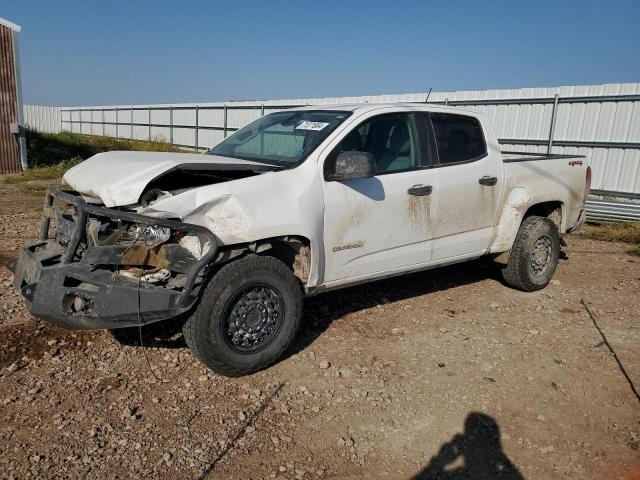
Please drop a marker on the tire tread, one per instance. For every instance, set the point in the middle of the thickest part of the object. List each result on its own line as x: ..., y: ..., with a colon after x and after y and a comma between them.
x: 195, y: 329
x: 515, y: 273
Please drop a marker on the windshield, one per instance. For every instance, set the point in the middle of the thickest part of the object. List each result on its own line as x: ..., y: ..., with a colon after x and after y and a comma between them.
x: 284, y: 138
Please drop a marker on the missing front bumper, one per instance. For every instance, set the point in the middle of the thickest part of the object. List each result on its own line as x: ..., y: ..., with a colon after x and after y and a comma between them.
x: 74, y: 296
x: 72, y: 292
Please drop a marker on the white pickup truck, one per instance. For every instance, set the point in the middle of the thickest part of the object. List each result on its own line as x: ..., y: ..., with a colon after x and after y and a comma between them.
x: 296, y: 203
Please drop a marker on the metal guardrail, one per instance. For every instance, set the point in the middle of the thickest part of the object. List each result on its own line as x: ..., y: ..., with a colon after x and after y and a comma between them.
x: 606, y: 211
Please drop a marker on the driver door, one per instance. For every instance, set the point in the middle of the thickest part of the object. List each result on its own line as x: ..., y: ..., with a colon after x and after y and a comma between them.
x: 380, y: 224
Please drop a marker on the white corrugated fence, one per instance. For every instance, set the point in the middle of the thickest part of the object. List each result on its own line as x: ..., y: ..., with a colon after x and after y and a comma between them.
x: 600, y: 121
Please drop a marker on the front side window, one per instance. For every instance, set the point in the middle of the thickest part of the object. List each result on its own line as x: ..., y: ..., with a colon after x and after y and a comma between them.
x: 283, y: 138
x: 459, y: 138
x: 391, y: 139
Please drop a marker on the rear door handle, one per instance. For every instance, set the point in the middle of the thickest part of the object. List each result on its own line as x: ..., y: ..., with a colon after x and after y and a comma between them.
x: 420, y: 190
x: 488, y: 180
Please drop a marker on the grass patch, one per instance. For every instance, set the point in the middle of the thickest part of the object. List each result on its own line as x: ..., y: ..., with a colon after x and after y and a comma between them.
x: 615, y: 232
x: 46, y: 149
x: 37, y: 180
x: 52, y: 154
x: 51, y: 172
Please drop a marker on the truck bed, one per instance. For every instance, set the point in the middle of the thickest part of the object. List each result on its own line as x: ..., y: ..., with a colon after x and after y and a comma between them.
x: 561, y: 181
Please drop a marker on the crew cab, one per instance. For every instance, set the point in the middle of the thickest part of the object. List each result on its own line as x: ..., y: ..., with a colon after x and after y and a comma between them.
x: 299, y: 202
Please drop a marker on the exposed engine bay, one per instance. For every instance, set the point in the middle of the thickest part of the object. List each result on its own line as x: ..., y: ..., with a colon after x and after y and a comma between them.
x: 186, y: 177
x: 150, y: 253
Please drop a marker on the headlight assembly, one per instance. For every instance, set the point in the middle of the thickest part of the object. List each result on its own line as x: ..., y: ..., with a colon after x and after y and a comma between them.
x: 152, y: 235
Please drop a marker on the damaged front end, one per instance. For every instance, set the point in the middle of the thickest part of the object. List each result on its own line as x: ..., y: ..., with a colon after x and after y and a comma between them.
x: 97, y: 267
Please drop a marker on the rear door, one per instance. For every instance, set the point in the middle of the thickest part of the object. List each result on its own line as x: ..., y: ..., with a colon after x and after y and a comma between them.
x: 470, y: 178
x: 380, y: 224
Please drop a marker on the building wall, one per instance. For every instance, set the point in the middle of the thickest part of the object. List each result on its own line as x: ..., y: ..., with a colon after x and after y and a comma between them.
x: 600, y: 121
x: 42, y: 118
x: 9, y: 142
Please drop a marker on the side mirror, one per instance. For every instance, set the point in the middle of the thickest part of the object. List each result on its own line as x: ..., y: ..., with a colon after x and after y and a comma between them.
x: 353, y: 165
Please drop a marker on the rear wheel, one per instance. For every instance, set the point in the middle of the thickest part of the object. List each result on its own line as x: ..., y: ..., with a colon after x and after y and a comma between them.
x: 247, y: 318
x: 534, y: 256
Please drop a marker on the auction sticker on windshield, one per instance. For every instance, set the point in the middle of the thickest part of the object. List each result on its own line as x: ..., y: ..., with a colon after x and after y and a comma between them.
x: 306, y: 125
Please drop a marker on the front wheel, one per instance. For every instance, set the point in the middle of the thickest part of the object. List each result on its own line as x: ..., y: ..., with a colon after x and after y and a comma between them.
x: 248, y: 316
x: 534, y: 255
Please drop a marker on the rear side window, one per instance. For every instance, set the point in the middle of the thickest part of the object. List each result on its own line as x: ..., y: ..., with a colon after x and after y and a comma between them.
x: 458, y: 138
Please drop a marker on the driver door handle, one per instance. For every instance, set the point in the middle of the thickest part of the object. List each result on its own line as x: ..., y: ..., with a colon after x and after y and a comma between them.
x: 488, y: 180
x: 420, y: 190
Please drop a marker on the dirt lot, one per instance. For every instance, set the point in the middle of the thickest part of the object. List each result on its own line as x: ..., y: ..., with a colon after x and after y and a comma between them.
x: 444, y: 374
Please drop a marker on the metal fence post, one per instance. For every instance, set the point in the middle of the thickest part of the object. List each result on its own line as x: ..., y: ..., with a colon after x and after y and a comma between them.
x: 262, y: 134
x: 225, y: 122
x: 196, y: 128
x: 131, y: 135
x: 102, y: 118
x: 553, y: 123
x: 446, y: 102
x: 117, y: 123
x: 149, y: 124
x: 80, y: 113
x: 171, y: 125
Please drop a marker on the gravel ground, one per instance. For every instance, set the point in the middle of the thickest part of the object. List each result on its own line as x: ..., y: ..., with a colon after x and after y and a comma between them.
x: 443, y: 374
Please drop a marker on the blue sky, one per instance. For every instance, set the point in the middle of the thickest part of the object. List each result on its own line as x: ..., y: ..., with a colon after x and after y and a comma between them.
x: 120, y: 52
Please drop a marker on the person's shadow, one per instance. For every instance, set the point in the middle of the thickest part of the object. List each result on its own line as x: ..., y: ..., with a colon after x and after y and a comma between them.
x: 475, y: 455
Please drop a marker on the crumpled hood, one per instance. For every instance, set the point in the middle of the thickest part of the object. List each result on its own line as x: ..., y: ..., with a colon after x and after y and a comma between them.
x: 119, y: 178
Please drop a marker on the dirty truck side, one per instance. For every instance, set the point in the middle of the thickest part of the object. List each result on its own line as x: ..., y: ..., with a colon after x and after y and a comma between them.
x: 297, y: 203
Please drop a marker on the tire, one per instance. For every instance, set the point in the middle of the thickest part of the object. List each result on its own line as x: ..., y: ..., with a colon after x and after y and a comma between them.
x: 247, y: 317
x: 534, y: 255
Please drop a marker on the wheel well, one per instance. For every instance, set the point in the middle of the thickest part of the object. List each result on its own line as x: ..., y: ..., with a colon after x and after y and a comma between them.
x: 551, y: 210
x: 293, y: 251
